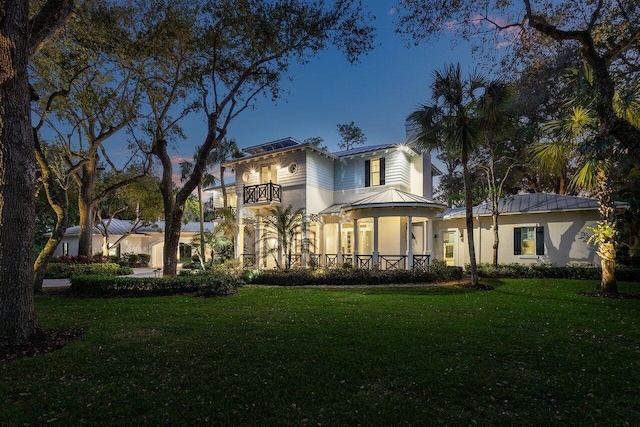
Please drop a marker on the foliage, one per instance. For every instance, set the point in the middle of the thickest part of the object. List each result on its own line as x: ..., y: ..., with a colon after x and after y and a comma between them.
x: 351, y: 136
x: 135, y: 260
x: 59, y: 270
x: 549, y: 271
x: 353, y: 276
x: 287, y: 228
x: 464, y: 112
x: 107, y: 286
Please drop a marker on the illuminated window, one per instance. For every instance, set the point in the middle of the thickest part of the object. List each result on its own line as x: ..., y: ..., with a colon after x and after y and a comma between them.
x: 374, y: 172
x: 528, y: 241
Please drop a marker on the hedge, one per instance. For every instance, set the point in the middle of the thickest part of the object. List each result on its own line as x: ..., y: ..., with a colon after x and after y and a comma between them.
x: 351, y: 276
x: 547, y: 271
x: 109, y: 286
x: 59, y: 270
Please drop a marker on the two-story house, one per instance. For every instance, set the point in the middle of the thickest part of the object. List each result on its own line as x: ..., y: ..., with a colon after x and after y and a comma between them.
x: 366, y: 206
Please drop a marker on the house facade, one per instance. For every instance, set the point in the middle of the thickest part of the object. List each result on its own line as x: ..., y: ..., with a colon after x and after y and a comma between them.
x: 532, y: 228
x: 148, y: 239
x: 369, y: 206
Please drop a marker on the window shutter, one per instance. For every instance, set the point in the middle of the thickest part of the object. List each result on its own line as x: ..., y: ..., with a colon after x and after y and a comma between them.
x: 539, y: 240
x: 367, y: 173
x: 381, y: 170
x: 517, y: 241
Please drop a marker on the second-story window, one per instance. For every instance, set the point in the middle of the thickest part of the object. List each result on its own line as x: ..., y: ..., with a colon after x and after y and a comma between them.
x: 374, y: 172
x: 268, y: 173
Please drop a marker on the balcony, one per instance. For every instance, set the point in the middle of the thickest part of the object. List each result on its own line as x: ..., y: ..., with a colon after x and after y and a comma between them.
x: 262, y: 193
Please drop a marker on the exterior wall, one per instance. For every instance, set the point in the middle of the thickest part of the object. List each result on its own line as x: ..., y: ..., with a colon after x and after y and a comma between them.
x: 320, y: 183
x: 565, y: 238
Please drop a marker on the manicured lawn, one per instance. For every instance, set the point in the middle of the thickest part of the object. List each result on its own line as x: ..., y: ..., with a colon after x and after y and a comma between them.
x: 531, y: 352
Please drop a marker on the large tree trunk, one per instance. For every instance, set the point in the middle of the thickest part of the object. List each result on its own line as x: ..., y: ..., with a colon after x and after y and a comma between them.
x: 468, y: 198
x: 222, y: 187
x: 606, y: 231
x: 86, y: 206
x: 19, y: 38
x: 18, y: 322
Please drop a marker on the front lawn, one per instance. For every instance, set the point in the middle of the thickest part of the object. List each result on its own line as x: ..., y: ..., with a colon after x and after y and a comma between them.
x: 530, y: 352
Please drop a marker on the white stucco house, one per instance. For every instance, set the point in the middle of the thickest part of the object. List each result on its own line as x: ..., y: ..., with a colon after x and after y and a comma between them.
x: 148, y: 240
x: 373, y: 206
x: 367, y: 206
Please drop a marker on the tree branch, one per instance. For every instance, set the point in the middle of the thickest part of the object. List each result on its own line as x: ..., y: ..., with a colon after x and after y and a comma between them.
x: 52, y: 16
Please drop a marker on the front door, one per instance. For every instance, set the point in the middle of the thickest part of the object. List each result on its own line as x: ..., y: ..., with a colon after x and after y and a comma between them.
x: 449, y: 246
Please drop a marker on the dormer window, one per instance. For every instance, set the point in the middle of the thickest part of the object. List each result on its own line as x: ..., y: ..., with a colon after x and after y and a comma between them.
x: 374, y: 172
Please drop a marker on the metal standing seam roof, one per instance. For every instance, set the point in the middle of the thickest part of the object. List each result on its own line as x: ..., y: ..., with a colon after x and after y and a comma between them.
x: 390, y: 197
x: 119, y: 227
x: 271, y: 146
x: 531, y: 203
x: 369, y: 148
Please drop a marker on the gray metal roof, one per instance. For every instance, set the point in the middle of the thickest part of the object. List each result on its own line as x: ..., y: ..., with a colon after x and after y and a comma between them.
x: 368, y: 148
x: 332, y: 210
x: 392, y: 197
x: 118, y: 227
x: 531, y: 203
x: 270, y: 146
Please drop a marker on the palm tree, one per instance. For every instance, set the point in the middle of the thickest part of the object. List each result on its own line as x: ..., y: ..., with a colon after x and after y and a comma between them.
x: 598, y: 154
x: 226, y: 150
x: 461, y: 112
x: 284, y: 225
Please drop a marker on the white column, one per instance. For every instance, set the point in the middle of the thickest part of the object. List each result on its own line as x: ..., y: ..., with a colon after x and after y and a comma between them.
x: 304, y: 246
x: 430, y: 239
x: 375, y: 254
x: 340, y: 260
x: 409, y: 243
x: 240, y: 241
x: 258, y: 241
x: 322, y: 247
x: 355, y: 242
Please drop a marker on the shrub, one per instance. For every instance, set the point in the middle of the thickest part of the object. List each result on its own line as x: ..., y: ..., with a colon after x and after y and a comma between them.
x: 109, y: 286
x: 352, y: 276
x: 548, y: 271
x: 61, y: 270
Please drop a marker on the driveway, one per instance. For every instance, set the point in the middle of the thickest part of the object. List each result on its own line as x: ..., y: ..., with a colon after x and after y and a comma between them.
x: 137, y: 272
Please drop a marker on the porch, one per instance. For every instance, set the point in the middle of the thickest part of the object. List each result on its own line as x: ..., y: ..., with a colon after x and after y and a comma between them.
x: 385, y: 262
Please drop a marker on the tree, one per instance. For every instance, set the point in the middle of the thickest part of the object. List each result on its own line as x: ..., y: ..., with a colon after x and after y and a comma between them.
x: 605, y: 34
x: 138, y: 202
x: 454, y: 123
x: 90, y: 66
x: 599, y: 156
x: 227, y: 149
x: 316, y: 141
x: 351, y: 135
x: 22, y: 33
x: 245, y: 49
x: 283, y: 225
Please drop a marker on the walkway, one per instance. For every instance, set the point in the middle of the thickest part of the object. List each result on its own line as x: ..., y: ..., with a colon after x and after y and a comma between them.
x: 137, y: 272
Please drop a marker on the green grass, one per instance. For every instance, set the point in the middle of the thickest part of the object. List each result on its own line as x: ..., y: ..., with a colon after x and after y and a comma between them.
x: 531, y: 352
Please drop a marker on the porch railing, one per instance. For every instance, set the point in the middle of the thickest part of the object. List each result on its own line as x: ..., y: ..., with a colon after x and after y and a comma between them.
x: 393, y: 262
x: 385, y: 262
x: 260, y: 193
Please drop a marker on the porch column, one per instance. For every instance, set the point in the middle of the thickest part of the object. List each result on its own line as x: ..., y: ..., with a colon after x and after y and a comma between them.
x: 239, y: 240
x: 258, y: 241
x: 375, y: 254
x: 321, y: 243
x: 340, y: 259
x: 304, y: 246
x: 409, y: 242
x: 355, y: 241
x: 430, y: 239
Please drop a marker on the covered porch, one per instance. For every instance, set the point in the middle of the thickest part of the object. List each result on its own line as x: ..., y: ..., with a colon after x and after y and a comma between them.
x: 390, y: 230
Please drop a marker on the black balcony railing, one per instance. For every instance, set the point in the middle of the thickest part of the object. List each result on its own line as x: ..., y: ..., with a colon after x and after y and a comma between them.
x: 385, y: 262
x: 262, y: 193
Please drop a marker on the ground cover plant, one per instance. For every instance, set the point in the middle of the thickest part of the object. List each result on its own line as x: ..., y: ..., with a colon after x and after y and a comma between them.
x: 529, y: 352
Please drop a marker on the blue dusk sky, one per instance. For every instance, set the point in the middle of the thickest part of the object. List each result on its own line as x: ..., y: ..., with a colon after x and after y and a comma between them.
x: 377, y: 93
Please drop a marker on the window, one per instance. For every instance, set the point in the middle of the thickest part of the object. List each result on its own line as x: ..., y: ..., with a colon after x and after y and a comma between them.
x: 65, y: 248
x: 374, y: 172
x: 528, y: 241
x: 268, y: 173
x: 114, y: 251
